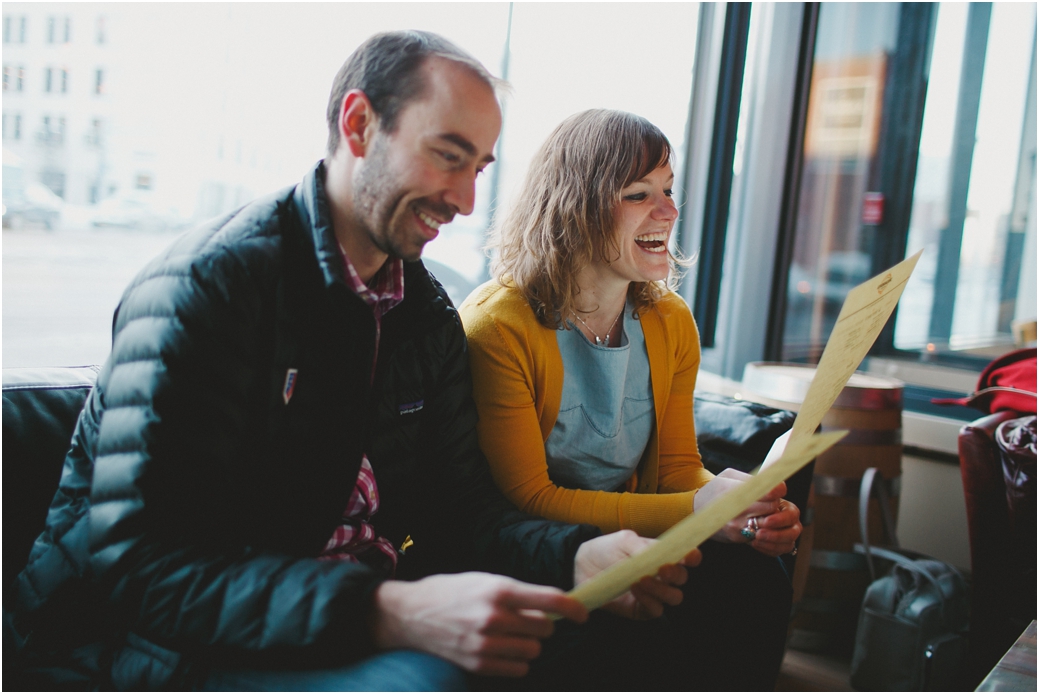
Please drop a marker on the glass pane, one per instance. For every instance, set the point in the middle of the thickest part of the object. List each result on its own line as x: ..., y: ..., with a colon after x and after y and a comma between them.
x: 975, y: 185
x: 832, y: 253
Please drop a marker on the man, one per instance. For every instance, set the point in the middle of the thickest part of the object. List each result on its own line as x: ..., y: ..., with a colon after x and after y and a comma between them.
x: 280, y: 455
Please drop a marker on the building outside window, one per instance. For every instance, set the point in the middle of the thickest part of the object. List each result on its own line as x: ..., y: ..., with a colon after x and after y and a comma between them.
x: 95, y: 132
x: 59, y: 29
x: 14, y: 78
x: 14, y: 29
x: 52, y: 131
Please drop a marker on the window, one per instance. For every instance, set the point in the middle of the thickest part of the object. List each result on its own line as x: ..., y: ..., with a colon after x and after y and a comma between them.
x: 52, y: 131
x: 99, y: 81
x: 94, y: 133
x: 59, y: 29
x: 48, y: 80
x: 831, y: 250
x: 14, y: 29
x: 975, y: 179
x: 100, y: 35
x: 12, y: 126
x: 143, y: 181
x: 14, y: 78
x: 64, y: 81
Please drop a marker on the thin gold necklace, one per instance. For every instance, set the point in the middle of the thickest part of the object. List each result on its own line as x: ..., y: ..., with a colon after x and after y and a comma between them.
x: 600, y: 340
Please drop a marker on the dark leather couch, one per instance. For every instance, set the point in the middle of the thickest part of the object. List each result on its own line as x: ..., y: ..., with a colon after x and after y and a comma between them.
x: 998, y: 466
x: 41, y: 406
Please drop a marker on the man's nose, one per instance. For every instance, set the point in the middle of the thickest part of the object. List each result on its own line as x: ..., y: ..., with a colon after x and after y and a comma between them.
x: 461, y: 193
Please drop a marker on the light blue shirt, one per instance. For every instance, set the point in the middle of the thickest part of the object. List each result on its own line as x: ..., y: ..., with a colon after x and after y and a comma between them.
x: 606, y: 411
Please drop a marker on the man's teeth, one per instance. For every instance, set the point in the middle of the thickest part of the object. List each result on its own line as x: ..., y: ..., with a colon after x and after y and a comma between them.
x: 428, y: 221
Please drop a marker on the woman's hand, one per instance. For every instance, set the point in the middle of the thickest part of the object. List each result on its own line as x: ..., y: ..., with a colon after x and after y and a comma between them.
x: 778, y: 520
x: 647, y: 597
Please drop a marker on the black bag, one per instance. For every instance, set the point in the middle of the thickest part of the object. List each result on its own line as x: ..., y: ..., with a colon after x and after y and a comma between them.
x: 912, y: 628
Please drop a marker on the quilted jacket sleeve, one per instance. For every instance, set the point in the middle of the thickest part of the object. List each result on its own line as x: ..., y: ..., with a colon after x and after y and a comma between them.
x: 175, y: 393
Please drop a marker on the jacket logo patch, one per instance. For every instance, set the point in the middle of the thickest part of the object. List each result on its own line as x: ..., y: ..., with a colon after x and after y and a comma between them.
x: 409, y: 408
x: 290, y: 385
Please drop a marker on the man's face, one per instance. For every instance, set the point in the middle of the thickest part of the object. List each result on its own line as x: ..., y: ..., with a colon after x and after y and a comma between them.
x: 424, y: 173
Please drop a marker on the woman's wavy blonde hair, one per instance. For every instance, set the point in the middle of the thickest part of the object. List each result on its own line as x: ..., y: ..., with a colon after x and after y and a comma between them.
x: 564, y: 215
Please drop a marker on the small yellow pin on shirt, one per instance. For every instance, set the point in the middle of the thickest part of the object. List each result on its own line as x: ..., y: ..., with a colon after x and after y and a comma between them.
x: 408, y: 542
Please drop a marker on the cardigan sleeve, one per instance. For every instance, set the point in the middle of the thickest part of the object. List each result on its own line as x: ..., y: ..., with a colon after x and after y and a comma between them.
x: 681, y: 468
x: 508, y: 367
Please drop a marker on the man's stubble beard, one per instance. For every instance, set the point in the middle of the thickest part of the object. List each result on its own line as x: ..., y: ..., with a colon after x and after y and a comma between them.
x: 377, y: 197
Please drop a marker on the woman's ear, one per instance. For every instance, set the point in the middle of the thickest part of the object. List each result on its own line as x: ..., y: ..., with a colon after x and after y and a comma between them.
x: 357, y: 122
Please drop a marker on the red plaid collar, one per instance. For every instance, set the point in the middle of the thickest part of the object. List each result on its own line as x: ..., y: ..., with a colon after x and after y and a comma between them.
x: 386, y: 288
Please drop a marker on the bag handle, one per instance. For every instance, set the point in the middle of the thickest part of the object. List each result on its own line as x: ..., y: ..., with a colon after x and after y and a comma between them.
x: 911, y: 566
x: 873, y: 485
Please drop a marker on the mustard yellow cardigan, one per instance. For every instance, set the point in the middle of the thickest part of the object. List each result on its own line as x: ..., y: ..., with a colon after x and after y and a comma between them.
x: 518, y: 384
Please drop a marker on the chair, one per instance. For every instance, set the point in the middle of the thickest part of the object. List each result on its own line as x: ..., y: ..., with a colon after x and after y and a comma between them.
x: 997, y: 463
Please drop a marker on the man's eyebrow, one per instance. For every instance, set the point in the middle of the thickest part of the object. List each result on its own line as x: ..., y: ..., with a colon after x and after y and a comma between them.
x: 467, y: 146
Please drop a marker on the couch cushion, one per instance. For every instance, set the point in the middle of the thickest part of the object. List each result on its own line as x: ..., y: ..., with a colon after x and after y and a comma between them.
x: 41, y: 406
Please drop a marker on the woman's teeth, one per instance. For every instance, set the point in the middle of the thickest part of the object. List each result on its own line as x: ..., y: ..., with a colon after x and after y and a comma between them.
x: 653, y: 243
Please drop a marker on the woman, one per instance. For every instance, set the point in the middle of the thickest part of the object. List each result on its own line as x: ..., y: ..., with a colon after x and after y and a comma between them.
x: 584, y: 364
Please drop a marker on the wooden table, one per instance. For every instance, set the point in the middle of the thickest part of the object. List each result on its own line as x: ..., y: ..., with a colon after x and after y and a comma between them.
x: 1015, y: 671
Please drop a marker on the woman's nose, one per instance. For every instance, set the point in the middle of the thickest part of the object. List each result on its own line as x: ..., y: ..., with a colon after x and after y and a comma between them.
x: 666, y: 209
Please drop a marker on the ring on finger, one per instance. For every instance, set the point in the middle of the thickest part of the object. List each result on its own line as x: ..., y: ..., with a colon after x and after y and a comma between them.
x: 750, y: 531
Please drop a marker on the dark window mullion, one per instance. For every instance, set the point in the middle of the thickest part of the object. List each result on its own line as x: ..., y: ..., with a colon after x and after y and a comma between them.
x: 791, y: 185
x: 719, y: 178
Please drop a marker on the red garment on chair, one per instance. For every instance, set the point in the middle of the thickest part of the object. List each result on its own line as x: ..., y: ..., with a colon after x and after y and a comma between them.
x: 1008, y: 383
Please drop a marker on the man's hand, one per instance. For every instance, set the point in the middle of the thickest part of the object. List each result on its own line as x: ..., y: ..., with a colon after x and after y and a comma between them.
x: 647, y: 598
x: 778, y: 520
x: 487, y: 624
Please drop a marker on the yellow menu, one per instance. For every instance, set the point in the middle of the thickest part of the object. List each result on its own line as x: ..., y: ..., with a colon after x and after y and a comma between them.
x: 862, y: 317
x: 688, y: 533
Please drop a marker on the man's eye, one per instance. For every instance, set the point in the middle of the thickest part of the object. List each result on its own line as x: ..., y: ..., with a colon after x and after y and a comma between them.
x: 449, y: 157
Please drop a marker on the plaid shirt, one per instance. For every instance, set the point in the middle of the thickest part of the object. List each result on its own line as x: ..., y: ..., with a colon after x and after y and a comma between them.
x: 356, y: 533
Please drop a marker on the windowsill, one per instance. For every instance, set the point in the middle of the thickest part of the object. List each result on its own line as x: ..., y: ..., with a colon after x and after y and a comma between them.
x: 926, y: 433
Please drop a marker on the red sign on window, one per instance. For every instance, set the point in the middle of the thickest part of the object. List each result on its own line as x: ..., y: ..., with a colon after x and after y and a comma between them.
x: 872, y: 208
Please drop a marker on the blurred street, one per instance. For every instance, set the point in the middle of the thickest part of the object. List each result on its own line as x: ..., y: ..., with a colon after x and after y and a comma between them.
x: 60, y: 289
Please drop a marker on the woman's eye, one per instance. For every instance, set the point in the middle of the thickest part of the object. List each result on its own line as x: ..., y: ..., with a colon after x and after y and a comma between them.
x: 635, y: 197
x: 669, y: 192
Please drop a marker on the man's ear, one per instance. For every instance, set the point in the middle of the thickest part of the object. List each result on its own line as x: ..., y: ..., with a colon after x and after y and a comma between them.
x: 357, y: 122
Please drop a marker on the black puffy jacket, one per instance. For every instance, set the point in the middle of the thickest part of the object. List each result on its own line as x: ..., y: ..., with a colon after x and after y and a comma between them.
x: 194, y: 499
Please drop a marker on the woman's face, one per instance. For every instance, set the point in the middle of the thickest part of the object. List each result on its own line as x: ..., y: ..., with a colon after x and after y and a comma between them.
x: 643, y: 221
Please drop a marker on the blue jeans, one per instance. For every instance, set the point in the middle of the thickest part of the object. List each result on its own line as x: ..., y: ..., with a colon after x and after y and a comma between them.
x: 395, y: 671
